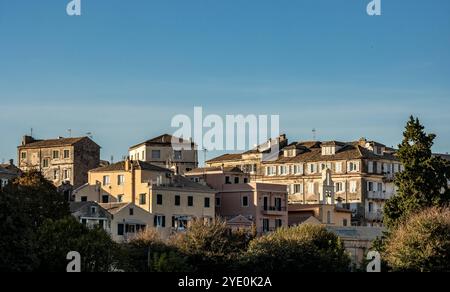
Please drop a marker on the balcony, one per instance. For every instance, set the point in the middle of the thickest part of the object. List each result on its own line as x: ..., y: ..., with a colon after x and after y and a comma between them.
x: 274, y: 210
x: 376, y: 195
x: 374, y: 216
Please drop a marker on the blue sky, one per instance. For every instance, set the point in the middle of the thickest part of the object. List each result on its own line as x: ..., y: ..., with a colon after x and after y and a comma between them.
x: 124, y: 68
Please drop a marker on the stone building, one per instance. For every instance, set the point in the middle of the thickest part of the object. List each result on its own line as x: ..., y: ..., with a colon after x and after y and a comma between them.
x: 167, y: 151
x: 362, y: 171
x: 63, y: 161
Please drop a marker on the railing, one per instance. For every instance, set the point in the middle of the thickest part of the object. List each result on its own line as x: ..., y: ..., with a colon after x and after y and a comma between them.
x: 376, y: 195
x: 274, y: 208
x: 374, y: 216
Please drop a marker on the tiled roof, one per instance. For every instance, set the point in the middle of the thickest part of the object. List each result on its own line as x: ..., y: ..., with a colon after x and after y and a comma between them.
x: 114, y: 208
x: 53, y: 143
x: 164, y: 140
x: 225, y: 157
x: 202, y: 170
x: 120, y: 166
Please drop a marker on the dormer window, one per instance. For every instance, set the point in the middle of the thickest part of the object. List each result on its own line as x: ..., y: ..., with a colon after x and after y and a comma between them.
x: 328, y: 150
x: 290, y: 153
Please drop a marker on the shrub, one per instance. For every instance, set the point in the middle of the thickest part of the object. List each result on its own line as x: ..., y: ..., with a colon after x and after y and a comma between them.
x: 305, y: 248
x: 422, y: 243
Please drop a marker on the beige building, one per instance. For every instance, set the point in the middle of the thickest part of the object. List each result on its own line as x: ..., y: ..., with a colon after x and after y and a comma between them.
x: 173, y: 200
x: 167, y: 151
x: 329, y: 215
x: 127, y: 220
x: 244, y: 204
x: 63, y: 161
x: 362, y: 171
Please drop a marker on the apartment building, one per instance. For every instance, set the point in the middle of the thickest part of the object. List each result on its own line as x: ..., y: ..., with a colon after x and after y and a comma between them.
x: 167, y: 151
x: 63, y: 161
x: 362, y: 172
x: 242, y: 203
x: 173, y: 200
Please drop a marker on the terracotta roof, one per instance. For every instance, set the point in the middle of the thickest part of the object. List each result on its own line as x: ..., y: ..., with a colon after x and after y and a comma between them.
x: 164, y: 140
x: 225, y: 157
x: 54, y: 142
x: 120, y: 166
x: 202, y: 170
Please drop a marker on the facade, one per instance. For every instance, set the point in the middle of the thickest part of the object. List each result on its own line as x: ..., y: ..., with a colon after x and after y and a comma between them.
x: 329, y: 215
x: 362, y: 171
x: 173, y: 200
x: 91, y: 215
x: 63, y: 161
x: 8, y: 172
x: 127, y: 220
x: 167, y: 151
x: 244, y: 204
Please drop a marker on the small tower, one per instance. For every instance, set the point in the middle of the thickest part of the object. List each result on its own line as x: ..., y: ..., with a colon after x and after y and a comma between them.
x: 327, y: 195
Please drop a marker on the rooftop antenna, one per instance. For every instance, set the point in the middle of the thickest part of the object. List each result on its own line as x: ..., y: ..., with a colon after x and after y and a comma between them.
x: 205, y: 152
x: 31, y: 132
x: 314, y: 132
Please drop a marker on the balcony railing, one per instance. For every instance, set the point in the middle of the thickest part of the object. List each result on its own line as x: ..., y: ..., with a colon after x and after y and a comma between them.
x: 380, y: 195
x: 374, y: 216
x: 273, y: 210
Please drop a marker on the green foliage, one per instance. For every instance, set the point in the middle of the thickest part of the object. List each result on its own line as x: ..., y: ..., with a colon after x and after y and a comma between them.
x: 213, y: 245
x: 421, y: 244
x: 306, y: 248
x: 423, y: 183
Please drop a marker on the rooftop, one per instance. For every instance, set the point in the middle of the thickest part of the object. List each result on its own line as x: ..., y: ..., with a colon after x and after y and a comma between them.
x: 137, y: 164
x: 52, y: 142
x: 164, y: 140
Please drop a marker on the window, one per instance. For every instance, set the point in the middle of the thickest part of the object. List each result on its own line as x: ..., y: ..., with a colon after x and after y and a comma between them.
x: 236, y: 180
x: 227, y: 180
x: 380, y: 187
x: 83, y: 199
x: 282, y: 170
x: 266, y: 203
x: 120, y: 179
x: 218, y: 202
x: 45, y: 163
x: 298, y: 169
x: 120, y: 198
x: 265, y: 225
x: 178, y: 155
x: 353, y: 186
x: 370, y: 186
x: 278, y: 204
x: 93, y: 210
x: 312, y: 168
x: 66, y: 154
x: 106, y: 180
x: 131, y: 211
x: 23, y: 155
x: 245, y: 201
x: 120, y: 229
x: 143, y: 155
x: 370, y: 167
x: 105, y: 199
x: 156, y: 154
x: 55, y: 154
x: 297, y: 189
x: 159, y: 199
x: 370, y: 207
x: 328, y: 217
x: 66, y: 174
x: 278, y: 223
x: 345, y: 222
x: 143, y: 199
x: 84, y: 221
x: 55, y: 174
x: 207, y: 202
x: 353, y: 167
x: 245, y: 180
x: 130, y: 228
x: 159, y: 221
x: 177, y: 200
x: 271, y: 170
x: 338, y: 167
x: 311, y: 188
x: 190, y: 201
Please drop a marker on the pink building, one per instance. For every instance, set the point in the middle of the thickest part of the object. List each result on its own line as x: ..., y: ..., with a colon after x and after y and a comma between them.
x: 242, y: 203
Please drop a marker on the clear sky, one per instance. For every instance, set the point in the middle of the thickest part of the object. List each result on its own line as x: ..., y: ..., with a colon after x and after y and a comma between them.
x: 123, y: 69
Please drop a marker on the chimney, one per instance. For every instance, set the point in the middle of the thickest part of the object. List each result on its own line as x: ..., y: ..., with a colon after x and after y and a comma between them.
x: 128, y: 163
x: 27, y: 140
x: 11, y: 162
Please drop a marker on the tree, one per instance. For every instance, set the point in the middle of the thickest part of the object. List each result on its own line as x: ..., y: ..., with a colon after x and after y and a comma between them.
x: 305, y: 248
x: 424, y: 181
x: 25, y: 203
x: 212, y: 245
x: 421, y: 243
x: 57, y: 238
